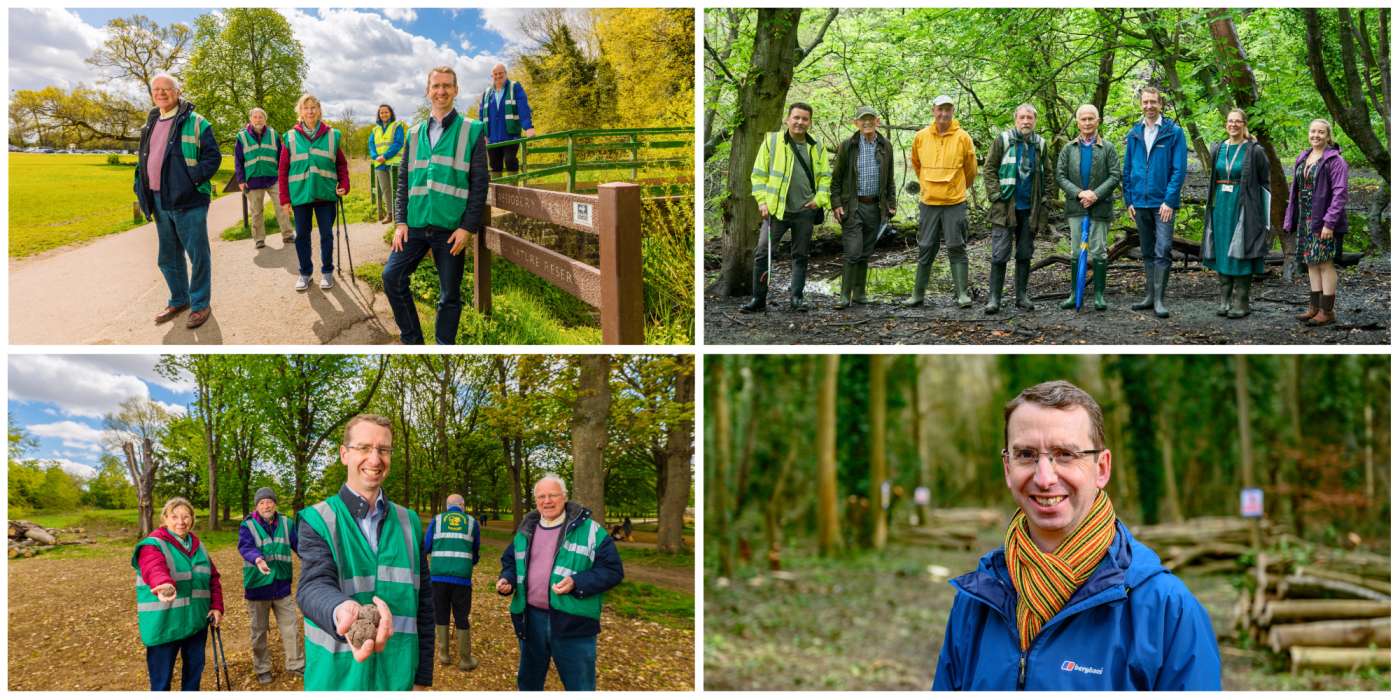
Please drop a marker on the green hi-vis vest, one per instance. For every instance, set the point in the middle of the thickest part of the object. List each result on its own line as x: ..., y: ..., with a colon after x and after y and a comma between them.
x: 507, y: 101
x: 575, y: 554
x: 773, y: 171
x: 391, y: 573
x: 438, y: 176
x: 452, y: 545
x: 384, y: 138
x: 311, y: 175
x: 190, y: 133
x: 259, y: 157
x: 276, y: 551
x: 163, y: 622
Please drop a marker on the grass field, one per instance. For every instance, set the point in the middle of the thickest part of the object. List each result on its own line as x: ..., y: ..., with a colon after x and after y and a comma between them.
x: 58, y: 199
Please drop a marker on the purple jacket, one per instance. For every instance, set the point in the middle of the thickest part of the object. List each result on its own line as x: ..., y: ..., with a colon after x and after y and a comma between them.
x: 257, y: 183
x: 250, y: 553
x: 1329, y: 193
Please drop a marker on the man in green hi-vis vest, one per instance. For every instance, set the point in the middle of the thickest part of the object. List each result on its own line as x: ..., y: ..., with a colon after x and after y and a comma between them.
x: 556, y: 570
x: 358, y: 548
x: 441, y: 198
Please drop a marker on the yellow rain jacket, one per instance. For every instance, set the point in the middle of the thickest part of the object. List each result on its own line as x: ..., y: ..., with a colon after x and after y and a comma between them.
x: 946, y: 163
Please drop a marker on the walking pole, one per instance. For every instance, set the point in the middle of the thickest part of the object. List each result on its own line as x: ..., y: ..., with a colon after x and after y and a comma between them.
x: 345, y: 231
x: 767, y: 232
x: 1083, y: 260
x: 216, y: 641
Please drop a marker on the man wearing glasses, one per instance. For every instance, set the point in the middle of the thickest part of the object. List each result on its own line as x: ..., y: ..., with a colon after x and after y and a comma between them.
x: 359, y: 550
x: 556, y: 570
x: 1072, y: 601
x: 862, y: 197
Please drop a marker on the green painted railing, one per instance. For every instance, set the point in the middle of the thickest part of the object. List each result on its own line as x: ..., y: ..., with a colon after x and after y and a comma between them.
x: 569, y: 154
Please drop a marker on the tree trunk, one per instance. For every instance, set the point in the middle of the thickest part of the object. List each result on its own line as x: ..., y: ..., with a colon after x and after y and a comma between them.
x: 1167, y: 49
x: 1329, y: 658
x: 827, y: 522
x: 718, y: 486
x: 921, y: 446
x: 1246, y: 439
x: 590, y: 432
x: 759, y: 103
x: 1288, y: 610
x: 878, y: 472
x: 680, y: 439
x: 1351, y: 113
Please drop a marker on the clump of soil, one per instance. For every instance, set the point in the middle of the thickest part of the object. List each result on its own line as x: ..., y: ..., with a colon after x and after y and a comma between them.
x: 365, y: 626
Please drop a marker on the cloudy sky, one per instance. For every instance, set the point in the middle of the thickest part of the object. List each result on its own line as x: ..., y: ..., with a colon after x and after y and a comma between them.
x: 356, y: 58
x: 60, y: 400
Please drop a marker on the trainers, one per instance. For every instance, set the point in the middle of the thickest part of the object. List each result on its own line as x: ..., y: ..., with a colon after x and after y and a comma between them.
x: 327, y: 280
x: 259, y: 244
x: 302, y: 282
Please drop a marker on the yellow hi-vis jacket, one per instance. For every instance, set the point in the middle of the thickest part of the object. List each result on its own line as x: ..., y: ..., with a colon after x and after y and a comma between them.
x: 772, y: 171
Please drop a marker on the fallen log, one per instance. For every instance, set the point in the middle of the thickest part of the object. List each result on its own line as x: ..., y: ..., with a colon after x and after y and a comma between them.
x: 1331, y: 633
x: 1355, y: 563
x: 1300, y: 586
x: 1218, y: 566
x: 1213, y: 550
x: 977, y: 516
x: 40, y: 535
x: 1289, y: 610
x: 1333, y: 658
x: 1373, y: 584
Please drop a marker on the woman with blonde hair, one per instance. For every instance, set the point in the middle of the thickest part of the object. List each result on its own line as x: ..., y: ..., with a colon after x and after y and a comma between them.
x: 1237, y: 232
x: 1317, y: 201
x: 311, y: 175
x: 178, y: 596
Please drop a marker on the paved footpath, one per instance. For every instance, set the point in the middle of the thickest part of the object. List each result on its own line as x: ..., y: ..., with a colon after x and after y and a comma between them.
x: 109, y: 291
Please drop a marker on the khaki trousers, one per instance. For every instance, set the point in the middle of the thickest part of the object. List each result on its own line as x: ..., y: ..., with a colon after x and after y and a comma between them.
x: 255, y: 215
x: 287, y: 621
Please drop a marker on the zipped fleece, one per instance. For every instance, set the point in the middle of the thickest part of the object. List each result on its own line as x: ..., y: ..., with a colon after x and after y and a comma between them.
x: 1132, y: 626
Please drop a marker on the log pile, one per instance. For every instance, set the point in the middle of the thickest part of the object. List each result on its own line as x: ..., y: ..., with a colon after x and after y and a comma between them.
x: 27, y: 539
x: 956, y: 528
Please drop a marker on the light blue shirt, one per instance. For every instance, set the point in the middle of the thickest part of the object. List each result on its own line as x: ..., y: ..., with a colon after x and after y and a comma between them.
x: 497, y: 94
x: 369, y: 525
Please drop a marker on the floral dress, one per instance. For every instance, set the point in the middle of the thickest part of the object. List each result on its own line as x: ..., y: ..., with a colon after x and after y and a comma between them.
x: 1312, y: 249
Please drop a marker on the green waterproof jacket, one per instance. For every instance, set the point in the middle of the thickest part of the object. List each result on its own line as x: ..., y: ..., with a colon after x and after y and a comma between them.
x: 1105, y: 175
x: 1003, y: 213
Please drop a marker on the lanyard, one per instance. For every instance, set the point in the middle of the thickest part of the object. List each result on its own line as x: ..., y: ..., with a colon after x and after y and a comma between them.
x: 1230, y: 164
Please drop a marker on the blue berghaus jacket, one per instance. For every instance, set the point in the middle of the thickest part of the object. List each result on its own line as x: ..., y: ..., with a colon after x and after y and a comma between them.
x: 1132, y: 626
x: 1153, y: 179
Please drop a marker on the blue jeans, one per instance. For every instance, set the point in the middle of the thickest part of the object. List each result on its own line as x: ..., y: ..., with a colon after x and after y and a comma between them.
x: 325, y: 220
x: 575, y: 658
x: 1155, y: 236
x: 160, y: 661
x: 399, y: 269
x: 180, y: 233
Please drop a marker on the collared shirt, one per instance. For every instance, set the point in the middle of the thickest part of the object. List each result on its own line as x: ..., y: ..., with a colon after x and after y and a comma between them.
x: 497, y: 94
x: 867, y: 168
x: 366, y: 518
x: 435, y: 127
x: 1149, y: 132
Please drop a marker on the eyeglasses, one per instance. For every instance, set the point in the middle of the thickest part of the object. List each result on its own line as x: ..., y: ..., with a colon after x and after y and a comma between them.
x: 1064, y: 457
x: 384, y: 452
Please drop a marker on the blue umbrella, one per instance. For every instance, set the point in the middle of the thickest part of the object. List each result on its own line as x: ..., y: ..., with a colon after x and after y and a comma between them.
x: 1083, y: 261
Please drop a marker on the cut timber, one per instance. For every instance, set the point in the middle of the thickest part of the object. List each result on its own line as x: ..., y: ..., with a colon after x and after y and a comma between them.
x: 1210, y: 550
x: 1346, y: 659
x: 40, y: 535
x: 1299, y: 586
x: 1356, y: 563
x: 1373, y: 584
x: 970, y: 516
x: 1332, y: 633
x: 1288, y: 610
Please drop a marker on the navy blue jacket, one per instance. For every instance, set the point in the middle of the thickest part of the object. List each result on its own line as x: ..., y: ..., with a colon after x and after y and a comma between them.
x: 177, y: 182
x: 606, y: 573
x: 1152, y: 179
x: 248, y: 549
x: 428, y: 550
x: 1132, y: 626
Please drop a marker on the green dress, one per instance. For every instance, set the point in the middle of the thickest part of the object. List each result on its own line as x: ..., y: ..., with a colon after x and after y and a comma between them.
x: 1229, y: 165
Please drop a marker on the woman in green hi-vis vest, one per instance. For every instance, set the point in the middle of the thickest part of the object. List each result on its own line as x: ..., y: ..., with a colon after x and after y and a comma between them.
x: 177, y: 597
x: 312, y: 175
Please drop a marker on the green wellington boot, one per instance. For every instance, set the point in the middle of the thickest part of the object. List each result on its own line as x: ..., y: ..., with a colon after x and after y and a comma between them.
x: 858, y: 278
x: 1159, y: 291
x: 1227, y: 284
x: 1023, y: 283
x: 997, y: 281
x: 959, y: 270
x: 920, y: 284
x: 846, y: 284
x: 1100, y: 281
x: 1148, y: 296
x: 1239, y: 305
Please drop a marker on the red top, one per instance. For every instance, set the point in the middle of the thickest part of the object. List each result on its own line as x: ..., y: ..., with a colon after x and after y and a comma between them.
x: 342, y: 168
x: 155, y: 573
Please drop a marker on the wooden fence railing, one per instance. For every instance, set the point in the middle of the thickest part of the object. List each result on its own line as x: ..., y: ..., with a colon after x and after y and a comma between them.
x: 576, y: 152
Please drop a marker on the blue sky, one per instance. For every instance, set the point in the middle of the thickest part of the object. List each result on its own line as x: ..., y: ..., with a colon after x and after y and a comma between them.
x: 60, y: 400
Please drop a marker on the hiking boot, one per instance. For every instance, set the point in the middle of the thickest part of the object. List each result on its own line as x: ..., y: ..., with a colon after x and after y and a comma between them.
x: 920, y: 284
x: 1159, y: 291
x: 997, y: 281
x: 1314, y: 305
x: 1239, y: 302
x: 327, y: 280
x: 465, y: 660
x: 1023, y: 283
x: 959, y: 270
x: 1148, y: 297
x: 1100, y: 281
x: 858, y: 283
x: 1227, y: 288
x: 1325, y: 315
x: 303, y: 281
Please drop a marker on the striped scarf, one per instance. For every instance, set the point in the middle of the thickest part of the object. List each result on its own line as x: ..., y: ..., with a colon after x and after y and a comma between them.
x: 1044, y: 582
x: 1011, y: 167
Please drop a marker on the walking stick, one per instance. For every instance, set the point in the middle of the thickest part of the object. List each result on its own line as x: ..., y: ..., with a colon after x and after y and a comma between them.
x: 345, y: 232
x: 1083, y: 260
x: 216, y: 639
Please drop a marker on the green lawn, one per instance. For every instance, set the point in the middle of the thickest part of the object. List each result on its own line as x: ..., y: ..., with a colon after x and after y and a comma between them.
x: 59, y: 199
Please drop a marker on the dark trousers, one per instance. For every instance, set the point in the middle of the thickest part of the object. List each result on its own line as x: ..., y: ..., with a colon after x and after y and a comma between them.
x: 1155, y: 236
x: 325, y: 221
x: 160, y: 661
x: 800, y: 223
x: 399, y: 269
x: 575, y: 658
x: 859, y: 230
x: 942, y: 222
x: 505, y: 155
x: 451, y: 600
x: 1024, y: 239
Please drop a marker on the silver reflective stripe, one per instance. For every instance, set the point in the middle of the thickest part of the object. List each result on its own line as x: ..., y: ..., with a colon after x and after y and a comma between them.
x: 410, y: 548
x: 319, y: 152
x: 563, y: 571
x: 406, y: 625
x: 453, y: 555
x: 278, y: 540
x: 443, y: 160
x: 278, y: 557
x: 200, y: 570
x: 514, y: 117
x: 442, y: 187
x: 252, y: 527
x: 258, y: 159
x: 440, y: 535
x: 397, y: 574
x: 357, y: 584
x: 328, y: 515
x: 519, y: 568
x: 579, y: 549
x: 312, y: 170
x: 162, y: 605
x: 199, y: 593
x: 191, y: 140
x: 325, y: 640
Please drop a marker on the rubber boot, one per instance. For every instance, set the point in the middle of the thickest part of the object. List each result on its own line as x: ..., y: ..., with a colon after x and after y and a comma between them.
x: 799, y: 282
x: 1159, y: 292
x: 847, y: 273
x: 997, y: 280
x: 1227, y: 288
x: 1100, y: 281
x: 759, y: 300
x: 959, y: 270
x: 465, y: 660
x: 1239, y: 301
x: 1146, y: 302
x: 444, y: 645
x: 1023, y: 282
x: 1325, y: 314
x: 920, y: 284
x: 1068, y: 303
x: 858, y: 283
x: 1314, y: 305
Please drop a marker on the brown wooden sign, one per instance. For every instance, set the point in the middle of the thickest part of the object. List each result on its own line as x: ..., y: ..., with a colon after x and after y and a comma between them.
x: 581, y: 280
x: 575, y: 211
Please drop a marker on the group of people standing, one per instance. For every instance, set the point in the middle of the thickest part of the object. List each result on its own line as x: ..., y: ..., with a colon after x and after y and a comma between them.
x: 358, y: 549
x: 435, y: 200
x: 793, y: 183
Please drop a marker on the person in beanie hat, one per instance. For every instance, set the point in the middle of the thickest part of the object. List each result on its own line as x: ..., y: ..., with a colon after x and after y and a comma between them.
x: 266, y: 541
x: 862, y: 199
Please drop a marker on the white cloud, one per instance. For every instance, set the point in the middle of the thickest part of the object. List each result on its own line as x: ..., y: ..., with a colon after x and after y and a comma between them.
x: 71, y: 433
x: 142, y: 367
x: 401, y: 14
x: 76, y: 385
x: 462, y: 41
x: 86, y: 471
x: 174, y: 409
x: 49, y: 46
x: 505, y: 21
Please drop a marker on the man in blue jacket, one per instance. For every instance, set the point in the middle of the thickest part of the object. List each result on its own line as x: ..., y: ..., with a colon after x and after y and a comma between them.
x: 266, y: 541
x: 1072, y: 601
x: 1154, y: 168
x: 177, y: 159
x: 506, y: 112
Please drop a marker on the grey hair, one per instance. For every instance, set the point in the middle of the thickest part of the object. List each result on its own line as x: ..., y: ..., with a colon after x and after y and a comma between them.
x: 1087, y: 105
x: 256, y: 110
x: 173, y: 80
x: 551, y: 476
x: 456, y: 500
x: 1026, y: 107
